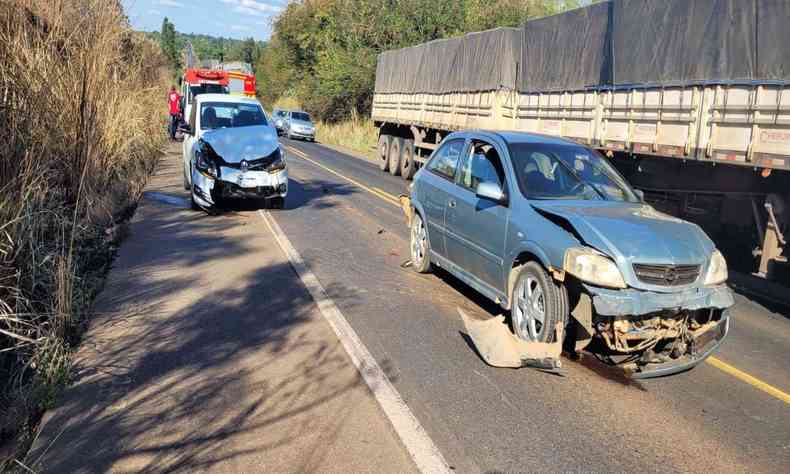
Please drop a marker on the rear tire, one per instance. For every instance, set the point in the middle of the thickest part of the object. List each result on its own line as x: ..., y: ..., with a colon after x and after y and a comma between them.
x: 384, y: 151
x: 537, y: 304
x: 407, y: 164
x: 396, y: 146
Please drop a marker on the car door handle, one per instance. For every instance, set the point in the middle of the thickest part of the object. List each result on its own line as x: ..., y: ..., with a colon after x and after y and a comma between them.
x: 451, y: 203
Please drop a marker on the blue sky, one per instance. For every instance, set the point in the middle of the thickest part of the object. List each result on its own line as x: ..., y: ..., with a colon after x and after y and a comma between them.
x: 229, y: 18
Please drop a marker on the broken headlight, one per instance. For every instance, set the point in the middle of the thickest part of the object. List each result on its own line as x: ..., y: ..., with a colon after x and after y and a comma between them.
x: 717, y: 269
x: 206, y: 165
x: 591, y: 266
x: 279, y: 161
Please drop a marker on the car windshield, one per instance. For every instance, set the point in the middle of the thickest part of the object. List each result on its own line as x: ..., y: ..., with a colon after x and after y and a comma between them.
x: 555, y: 171
x: 300, y: 116
x: 208, y: 89
x: 230, y: 115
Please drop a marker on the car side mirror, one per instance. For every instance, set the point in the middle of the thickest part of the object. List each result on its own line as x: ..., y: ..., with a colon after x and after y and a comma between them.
x: 491, y: 191
x: 640, y: 194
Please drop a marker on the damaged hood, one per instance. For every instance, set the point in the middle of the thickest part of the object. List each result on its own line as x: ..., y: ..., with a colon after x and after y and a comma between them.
x: 633, y: 232
x: 242, y: 143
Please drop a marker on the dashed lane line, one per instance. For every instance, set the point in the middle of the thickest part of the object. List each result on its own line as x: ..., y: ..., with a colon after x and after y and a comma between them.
x: 421, y: 448
x: 375, y: 191
x: 713, y: 361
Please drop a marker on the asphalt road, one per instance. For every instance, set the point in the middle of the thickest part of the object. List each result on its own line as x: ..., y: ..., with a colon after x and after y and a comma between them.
x: 497, y: 420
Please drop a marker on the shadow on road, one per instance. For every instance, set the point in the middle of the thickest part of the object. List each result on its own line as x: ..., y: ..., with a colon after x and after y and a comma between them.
x: 190, y: 364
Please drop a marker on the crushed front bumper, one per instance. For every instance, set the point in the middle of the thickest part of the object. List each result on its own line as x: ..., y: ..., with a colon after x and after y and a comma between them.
x: 704, y: 345
x: 234, y: 183
x: 609, y: 302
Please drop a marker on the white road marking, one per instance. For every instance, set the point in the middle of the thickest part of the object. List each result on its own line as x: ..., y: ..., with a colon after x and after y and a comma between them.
x: 419, y: 445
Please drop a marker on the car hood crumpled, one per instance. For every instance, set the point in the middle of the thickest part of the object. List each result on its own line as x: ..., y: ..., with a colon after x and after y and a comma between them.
x: 633, y: 232
x: 242, y: 143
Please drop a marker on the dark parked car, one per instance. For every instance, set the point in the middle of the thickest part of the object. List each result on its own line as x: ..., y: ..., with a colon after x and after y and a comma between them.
x: 548, y: 229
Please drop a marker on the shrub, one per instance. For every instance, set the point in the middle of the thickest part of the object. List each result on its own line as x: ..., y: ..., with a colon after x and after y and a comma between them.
x: 81, y: 123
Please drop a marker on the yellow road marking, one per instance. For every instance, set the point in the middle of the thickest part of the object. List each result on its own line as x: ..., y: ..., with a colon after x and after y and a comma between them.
x: 753, y: 381
x: 719, y: 364
x: 375, y: 191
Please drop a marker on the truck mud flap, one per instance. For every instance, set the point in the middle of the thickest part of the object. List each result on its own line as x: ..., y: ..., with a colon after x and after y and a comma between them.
x: 499, y: 347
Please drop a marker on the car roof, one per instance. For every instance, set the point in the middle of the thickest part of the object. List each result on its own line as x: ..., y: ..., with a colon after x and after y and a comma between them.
x: 515, y: 137
x: 227, y: 98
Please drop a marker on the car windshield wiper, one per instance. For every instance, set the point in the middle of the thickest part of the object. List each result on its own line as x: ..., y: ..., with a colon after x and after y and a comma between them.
x: 579, y: 178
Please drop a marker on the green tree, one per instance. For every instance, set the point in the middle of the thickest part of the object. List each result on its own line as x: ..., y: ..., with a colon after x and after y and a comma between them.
x: 249, y: 51
x: 168, y: 43
x: 324, y: 52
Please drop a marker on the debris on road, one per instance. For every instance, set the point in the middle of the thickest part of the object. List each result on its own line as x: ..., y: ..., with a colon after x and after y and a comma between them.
x: 499, y: 347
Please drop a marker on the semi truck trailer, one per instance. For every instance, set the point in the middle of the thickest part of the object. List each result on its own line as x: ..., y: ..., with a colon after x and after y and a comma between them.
x: 689, y: 100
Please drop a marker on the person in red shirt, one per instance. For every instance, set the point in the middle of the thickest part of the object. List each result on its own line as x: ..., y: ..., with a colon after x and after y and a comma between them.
x: 174, y: 100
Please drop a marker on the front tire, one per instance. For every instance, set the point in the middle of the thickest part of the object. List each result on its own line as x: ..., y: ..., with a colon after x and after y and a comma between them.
x: 276, y: 203
x: 537, y: 304
x: 420, y: 248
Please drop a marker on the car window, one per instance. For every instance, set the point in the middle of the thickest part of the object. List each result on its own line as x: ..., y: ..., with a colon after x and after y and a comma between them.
x: 230, y: 115
x: 300, y: 116
x: 557, y: 171
x: 482, y: 164
x: 446, y: 158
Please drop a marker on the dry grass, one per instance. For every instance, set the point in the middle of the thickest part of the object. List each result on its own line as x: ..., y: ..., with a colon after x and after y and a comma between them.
x: 81, y: 123
x: 357, y: 134
x: 288, y: 103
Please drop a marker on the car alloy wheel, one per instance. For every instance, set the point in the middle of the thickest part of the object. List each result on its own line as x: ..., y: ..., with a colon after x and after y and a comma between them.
x: 529, y: 311
x: 420, y: 259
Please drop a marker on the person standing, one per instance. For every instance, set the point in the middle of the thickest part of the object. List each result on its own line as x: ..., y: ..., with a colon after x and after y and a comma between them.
x: 174, y: 101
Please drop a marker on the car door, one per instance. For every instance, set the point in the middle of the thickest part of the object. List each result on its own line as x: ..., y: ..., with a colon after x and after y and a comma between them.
x: 476, y: 227
x: 190, y: 141
x: 436, y: 189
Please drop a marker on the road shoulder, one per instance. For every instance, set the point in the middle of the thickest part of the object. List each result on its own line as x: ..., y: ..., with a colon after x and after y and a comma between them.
x: 207, y: 353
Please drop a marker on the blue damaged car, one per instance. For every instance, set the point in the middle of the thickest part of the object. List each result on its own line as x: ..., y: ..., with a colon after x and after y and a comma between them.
x: 549, y: 230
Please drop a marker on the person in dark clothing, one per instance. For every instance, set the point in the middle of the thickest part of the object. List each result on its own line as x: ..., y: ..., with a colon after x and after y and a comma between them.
x: 174, y: 101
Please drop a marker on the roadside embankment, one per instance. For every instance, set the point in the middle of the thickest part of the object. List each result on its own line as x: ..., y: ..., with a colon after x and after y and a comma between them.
x: 82, y: 125
x: 358, y: 135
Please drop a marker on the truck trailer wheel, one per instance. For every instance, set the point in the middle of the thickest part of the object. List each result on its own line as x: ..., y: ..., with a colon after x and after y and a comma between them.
x: 396, y: 147
x: 536, y: 304
x: 407, y: 164
x: 384, y: 151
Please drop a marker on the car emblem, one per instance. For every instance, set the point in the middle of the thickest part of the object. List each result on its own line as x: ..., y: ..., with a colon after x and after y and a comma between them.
x: 244, y: 166
x: 670, y: 275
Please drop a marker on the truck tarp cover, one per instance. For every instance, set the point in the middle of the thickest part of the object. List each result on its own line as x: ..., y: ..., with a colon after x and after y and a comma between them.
x: 566, y: 51
x: 683, y: 41
x: 475, y: 62
x: 773, y: 39
x: 622, y: 42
